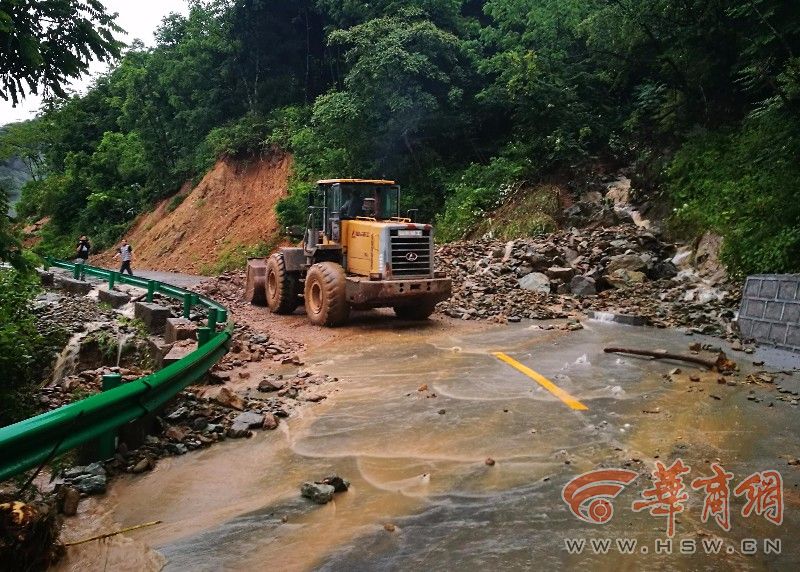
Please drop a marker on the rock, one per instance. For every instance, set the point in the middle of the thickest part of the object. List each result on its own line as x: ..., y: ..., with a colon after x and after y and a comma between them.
x: 339, y: 484
x: 249, y: 418
x: 91, y: 484
x: 270, y: 421
x: 239, y: 431
x: 582, y: 286
x: 632, y: 262
x: 271, y: 384
x: 389, y: 527
x: 70, y: 498
x: 489, y: 461
x: 560, y: 273
x: 175, y: 433
x: 623, y: 277
x: 535, y: 282
x: 320, y: 493
x: 144, y: 464
x: 228, y: 398
x: 311, y: 397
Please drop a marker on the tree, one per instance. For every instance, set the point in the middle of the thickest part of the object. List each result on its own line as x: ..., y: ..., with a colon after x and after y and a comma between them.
x: 49, y: 42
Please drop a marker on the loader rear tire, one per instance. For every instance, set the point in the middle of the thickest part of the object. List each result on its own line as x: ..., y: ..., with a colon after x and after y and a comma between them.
x: 325, y: 299
x: 282, y: 287
x: 418, y: 311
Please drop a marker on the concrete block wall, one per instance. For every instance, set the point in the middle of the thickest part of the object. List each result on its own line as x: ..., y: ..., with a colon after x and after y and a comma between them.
x: 770, y: 312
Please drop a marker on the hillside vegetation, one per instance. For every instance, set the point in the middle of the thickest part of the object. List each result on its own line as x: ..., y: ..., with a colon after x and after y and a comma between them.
x: 462, y: 101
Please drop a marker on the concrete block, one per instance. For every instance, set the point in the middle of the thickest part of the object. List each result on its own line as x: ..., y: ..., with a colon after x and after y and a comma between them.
x: 777, y: 334
x: 769, y: 289
x: 179, y: 329
x: 791, y: 312
x: 793, y: 336
x: 788, y: 290
x: 745, y: 327
x: 752, y: 287
x: 153, y: 316
x: 46, y: 278
x: 754, y: 309
x: 179, y: 351
x: 113, y: 298
x: 73, y: 286
x: 761, y: 331
x: 774, y: 311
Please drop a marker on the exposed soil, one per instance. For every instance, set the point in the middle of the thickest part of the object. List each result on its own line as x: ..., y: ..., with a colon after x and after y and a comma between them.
x: 231, y: 209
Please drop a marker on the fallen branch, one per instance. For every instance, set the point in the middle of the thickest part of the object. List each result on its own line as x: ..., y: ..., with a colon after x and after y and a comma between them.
x: 109, y: 534
x: 663, y: 354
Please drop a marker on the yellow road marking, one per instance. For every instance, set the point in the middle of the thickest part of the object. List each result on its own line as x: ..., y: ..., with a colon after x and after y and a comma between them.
x: 543, y: 381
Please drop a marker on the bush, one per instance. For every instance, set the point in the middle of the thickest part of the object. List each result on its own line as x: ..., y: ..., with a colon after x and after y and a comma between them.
x: 743, y: 184
x: 479, y: 189
x: 22, y: 347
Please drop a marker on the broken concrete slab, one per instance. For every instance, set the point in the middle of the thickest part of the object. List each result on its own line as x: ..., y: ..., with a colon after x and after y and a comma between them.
x: 178, y: 351
x: 154, y: 316
x: 179, y: 329
x: 113, y: 298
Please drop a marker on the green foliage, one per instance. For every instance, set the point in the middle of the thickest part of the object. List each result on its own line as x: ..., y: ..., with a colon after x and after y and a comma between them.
x: 22, y: 347
x: 51, y: 42
x: 479, y: 189
x: 743, y: 184
x: 460, y: 101
x: 10, y: 245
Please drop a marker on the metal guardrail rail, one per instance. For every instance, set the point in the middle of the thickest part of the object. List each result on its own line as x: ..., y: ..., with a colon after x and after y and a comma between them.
x: 29, y: 443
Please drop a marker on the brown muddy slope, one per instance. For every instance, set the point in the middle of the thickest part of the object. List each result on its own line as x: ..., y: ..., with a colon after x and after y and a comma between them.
x: 232, y: 208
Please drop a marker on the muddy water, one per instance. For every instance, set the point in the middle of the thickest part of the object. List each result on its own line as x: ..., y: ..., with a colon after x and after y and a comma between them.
x: 416, y: 459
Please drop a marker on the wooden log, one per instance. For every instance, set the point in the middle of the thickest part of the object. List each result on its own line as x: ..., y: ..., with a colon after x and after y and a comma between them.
x: 663, y: 354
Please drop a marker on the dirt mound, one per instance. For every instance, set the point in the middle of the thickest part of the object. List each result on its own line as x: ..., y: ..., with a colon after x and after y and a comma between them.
x: 229, y: 214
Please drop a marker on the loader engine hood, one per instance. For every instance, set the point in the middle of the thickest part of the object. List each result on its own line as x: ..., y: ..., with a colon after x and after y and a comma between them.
x: 394, y: 250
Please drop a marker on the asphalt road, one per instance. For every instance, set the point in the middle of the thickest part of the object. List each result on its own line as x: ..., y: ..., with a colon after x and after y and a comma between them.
x: 422, y: 411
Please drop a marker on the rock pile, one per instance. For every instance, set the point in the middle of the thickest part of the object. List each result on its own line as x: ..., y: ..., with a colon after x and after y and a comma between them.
x: 622, y: 268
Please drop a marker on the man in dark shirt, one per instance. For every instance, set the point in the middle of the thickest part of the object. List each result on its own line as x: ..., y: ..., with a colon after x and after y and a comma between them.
x: 82, y: 251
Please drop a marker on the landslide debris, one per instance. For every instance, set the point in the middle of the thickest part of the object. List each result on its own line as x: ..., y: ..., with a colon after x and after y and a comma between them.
x: 624, y: 269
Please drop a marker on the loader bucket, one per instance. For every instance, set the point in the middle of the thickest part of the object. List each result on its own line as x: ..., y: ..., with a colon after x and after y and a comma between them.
x: 255, y: 291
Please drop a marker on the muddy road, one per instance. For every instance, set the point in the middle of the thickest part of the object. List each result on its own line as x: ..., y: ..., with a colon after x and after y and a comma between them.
x: 415, y: 426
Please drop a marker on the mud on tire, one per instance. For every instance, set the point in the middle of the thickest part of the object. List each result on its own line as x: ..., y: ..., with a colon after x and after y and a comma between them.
x: 282, y: 287
x: 325, y: 300
x: 418, y: 311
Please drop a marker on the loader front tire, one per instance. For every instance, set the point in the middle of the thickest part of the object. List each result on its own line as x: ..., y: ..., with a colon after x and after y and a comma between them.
x: 325, y: 299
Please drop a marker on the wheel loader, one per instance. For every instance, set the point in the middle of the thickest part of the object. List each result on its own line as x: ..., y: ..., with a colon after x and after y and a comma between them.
x: 357, y: 253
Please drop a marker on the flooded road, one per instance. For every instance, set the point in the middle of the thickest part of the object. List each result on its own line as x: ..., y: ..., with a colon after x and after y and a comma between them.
x: 412, y: 428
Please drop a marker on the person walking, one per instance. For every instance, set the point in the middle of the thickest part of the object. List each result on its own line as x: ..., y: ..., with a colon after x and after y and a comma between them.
x: 82, y: 251
x: 125, y: 254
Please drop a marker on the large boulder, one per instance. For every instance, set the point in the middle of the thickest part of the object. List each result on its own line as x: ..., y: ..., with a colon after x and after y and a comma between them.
x: 535, y: 282
x: 320, y: 493
x: 622, y: 277
x: 583, y: 286
x: 626, y: 262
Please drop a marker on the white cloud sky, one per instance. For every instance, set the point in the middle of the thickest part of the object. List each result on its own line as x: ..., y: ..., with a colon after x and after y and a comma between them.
x: 139, y: 18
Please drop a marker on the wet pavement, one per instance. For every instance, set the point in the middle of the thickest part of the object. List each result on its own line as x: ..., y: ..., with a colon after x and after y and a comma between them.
x: 412, y: 427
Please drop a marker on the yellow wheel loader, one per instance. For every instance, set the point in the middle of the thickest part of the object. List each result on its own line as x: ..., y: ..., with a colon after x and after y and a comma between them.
x: 357, y: 253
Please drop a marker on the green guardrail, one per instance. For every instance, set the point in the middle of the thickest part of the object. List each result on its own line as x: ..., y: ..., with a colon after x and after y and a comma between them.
x: 29, y: 443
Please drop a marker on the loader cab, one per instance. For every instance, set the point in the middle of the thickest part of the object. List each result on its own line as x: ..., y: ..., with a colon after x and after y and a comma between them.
x: 338, y: 200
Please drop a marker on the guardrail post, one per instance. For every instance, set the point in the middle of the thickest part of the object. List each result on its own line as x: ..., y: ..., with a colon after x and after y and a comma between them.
x: 151, y: 290
x: 112, y: 278
x: 195, y: 299
x: 212, y: 320
x: 107, y: 444
x: 222, y: 316
x: 76, y: 271
x: 187, y: 305
x: 203, y: 336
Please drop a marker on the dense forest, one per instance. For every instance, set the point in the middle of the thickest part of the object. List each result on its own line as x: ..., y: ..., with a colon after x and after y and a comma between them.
x: 457, y: 99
